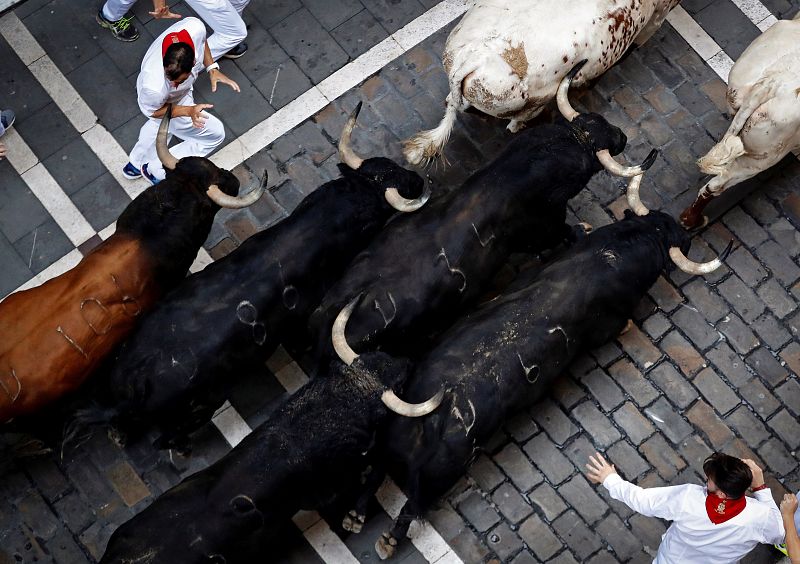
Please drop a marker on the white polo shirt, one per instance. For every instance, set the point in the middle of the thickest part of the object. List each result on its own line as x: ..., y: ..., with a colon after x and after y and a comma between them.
x: 153, y: 89
x: 693, y: 538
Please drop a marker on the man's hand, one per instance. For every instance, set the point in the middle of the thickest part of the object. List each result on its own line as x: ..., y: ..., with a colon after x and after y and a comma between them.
x: 216, y: 76
x: 758, y: 475
x: 789, y: 505
x: 2, y: 151
x: 196, y: 113
x: 163, y: 12
x: 597, y: 469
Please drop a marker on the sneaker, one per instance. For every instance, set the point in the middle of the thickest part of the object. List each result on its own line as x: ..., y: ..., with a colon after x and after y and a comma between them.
x: 7, y: 118
x: 146, y: 173
x: 781, y: 548
x: 237, y: 51
x: 131, y: 172
x: 122, y: 29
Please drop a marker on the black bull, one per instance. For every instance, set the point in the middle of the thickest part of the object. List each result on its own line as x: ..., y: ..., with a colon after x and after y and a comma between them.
x: 504, y: 355
x: 181, y: 361
x: 299, y: 458
x: 425, y: 267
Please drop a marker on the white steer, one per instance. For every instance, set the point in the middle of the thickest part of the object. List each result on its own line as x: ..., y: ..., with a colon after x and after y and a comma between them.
x: 506, y: 58
x: 764, y: 93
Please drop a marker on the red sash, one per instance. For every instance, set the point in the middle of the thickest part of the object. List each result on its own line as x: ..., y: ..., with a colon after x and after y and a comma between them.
x: 180, y: 36
x: 720, y: 510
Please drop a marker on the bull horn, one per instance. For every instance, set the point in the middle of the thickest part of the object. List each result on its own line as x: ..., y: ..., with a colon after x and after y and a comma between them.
x: 691, y: 267
x: 562, y: 94
x: 223, y: 200
x: 634, y: 202
x: 614, y: 167
x: 167, y: 159
x: 346, y: 154
x: 390, y: 400
x: 338, y: 337
x: 402, y: 204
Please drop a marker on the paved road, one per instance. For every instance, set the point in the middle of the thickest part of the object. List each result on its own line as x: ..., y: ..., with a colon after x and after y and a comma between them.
x: 711, y: 365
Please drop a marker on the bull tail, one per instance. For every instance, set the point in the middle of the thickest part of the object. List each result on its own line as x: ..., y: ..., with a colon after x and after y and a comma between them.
x: 427, y: 145
x: 721, y: 155
x: 731, y: 146
x: 80, y: 427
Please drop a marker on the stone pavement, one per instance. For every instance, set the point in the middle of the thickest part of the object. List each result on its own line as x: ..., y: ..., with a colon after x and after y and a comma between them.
x: 711, y: 364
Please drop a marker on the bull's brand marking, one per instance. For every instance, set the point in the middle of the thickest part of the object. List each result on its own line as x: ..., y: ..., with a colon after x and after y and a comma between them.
x: 483, y: 243
x: 127, y: 299
x: 246, y: 313
x: 71, y: 341
x: 531, y: 372
x: 387, y: 320
x: 561, y: 330
x: 610, y: 257
x: 454, y: 271
x: 290, y: 294
x: 85, y: 313
x: 6, y: 389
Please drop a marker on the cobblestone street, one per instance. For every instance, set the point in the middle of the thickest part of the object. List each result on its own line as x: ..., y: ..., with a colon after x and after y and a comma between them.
x: 711, y: 363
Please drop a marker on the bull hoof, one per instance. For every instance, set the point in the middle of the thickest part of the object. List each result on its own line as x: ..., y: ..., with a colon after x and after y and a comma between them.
x: 691, y: 221
x: 386, y: 546
x: 117, y: 437
x: 353, y: 522
x: 628, y: 327
x: 587, y: 227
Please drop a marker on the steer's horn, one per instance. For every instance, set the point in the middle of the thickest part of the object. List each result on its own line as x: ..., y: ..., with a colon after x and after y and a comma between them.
x: 346, y: 154
x: 223, y: 200
x: 633, y: 196
x: 562, y: 95
x: 614, y: 167
x: 390, y: 400
x: 167, y: 159
x: 402, y: 204
x: 691, y: 267
x: 338, y: 338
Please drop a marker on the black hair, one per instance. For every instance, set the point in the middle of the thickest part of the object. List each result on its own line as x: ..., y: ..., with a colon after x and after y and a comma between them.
x: 178, y: 60
x: 730, y: 474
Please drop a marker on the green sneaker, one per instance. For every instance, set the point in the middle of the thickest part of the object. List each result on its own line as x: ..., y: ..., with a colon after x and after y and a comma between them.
x: 122, y: 29
x: 782, y: 548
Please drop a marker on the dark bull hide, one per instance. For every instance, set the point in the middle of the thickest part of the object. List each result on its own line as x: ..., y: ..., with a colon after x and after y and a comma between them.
x: 299, y: 458
x: 54, y: 336
x: 178, y: 366
x: 424, y: 268
x: 503, y: 356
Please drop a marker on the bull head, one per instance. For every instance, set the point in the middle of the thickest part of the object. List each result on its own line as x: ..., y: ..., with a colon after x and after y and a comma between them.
x: 388, y: 397
x: 604, y: 156
x: 351, y: 159
x: 213, y: 192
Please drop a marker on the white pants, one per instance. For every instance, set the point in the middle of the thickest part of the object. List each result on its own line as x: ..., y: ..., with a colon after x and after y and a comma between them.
x: 197, y: 142
x: 223, y: 16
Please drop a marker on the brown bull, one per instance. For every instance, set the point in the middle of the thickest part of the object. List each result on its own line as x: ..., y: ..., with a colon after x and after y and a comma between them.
x: 52, y: 337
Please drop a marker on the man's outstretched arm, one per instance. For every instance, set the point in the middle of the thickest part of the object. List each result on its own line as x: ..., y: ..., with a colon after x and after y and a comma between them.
x: 664, y: 502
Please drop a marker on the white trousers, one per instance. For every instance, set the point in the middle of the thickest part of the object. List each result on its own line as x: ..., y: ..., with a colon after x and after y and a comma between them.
x: 223, y: 16
x: 196, y: 142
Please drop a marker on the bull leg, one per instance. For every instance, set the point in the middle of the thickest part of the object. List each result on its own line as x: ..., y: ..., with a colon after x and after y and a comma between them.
x: 386, y: 546
x: 372, y: 480
x: 692, y: 217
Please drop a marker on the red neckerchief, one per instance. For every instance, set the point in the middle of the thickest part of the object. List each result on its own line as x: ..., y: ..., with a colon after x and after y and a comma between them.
x: 180, y: 36
x: 720, y: 510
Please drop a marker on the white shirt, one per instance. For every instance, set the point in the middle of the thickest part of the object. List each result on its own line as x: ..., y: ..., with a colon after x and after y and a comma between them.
x: 693, y: 538
x: 153, y: 89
